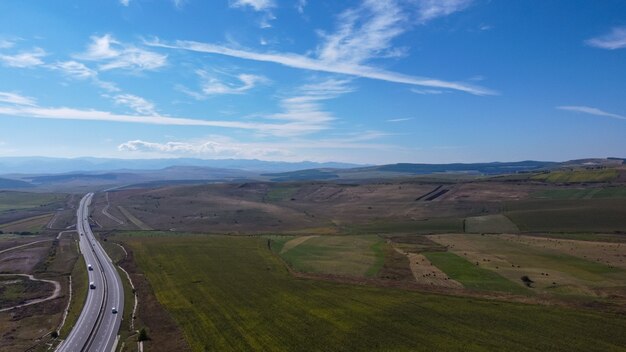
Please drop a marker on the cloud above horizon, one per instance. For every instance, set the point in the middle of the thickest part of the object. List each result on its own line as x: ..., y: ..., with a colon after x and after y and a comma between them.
x: 590, y: 111
x: 615, y: 39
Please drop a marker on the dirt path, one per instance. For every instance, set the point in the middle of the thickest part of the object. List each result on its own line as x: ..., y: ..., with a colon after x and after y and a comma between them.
x: 55, y: 294
x: 291, y: 244
x: 105, y: 211
x: 425, y: 272
x: 140, y: 224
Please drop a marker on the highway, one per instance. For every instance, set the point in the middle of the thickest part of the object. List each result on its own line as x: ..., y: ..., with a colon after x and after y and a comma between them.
x: 97, y: 326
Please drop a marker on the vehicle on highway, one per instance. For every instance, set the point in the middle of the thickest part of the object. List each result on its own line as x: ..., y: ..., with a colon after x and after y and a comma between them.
x: 90, y: 267
x: 114, y: 310
x: 92, y: 285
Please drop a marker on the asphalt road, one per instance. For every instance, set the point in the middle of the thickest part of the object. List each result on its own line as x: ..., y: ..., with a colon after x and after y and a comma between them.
x: 96, y: 328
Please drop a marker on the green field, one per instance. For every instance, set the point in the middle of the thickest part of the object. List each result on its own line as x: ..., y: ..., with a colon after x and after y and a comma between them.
x: 471, y: 275
x: 579, y: 215
x: 578, y: 176
x: 233, y: 294
x: 582, y: 193
x: 26, y: 200
x: 338, y: 255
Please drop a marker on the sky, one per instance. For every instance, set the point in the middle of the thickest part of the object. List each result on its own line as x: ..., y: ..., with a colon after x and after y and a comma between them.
x: 371, y: 81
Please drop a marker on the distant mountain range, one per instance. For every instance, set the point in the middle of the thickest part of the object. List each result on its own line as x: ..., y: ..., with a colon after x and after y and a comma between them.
x: 95, y: 173
x: 46, y: 165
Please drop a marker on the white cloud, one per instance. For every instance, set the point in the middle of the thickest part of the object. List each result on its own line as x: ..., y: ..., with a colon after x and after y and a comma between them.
x: 400, y: 119
x: 6, y: 44
x: 78, y: 70
x: 591, y: 111
x: 28, y: 109
x: 24, y: 59
x: 75, y: 69
x: 14, y: 98
x: 179, y: 3
x: 426, y: 91
x: 305, y: 109
x: 297, y: 149
x: 115, y: 55
x: 138, y: 104
x: 364, y: 33
x: 215, y: 146
x: 257, y: 5
x: 213, y: 86
x: 307, y: 63
x: 616, y: 39
x: 300, y: 5
x: 432, y: 9
x: 124, y: 2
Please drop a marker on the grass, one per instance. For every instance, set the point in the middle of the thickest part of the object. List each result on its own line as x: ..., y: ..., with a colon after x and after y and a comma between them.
x: 26, y: 200
x: 278, y: 193
x: 581, y: 215
x: 581, y: 193
x: 32, y: 224
x: 140, y: 224
x: 511, y: 257
x: 339, y: 255
x: 232, y: 294
x: 434, y: 225
x: 79, y: 295
x: 471, y: 275
x: 571, y: 176
x: 490, y: 224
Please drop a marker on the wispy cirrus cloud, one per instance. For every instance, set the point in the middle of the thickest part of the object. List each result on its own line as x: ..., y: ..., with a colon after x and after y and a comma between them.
x: 362, y: 34
x: 78, y: 70
x: 112, y: 54
x: 21, y: 106
x: 615, y: 39
x: 312, y: 64
x: 400, y: 119
x: 431, y: 9
x: 590, y: 111
x: 124, y: 2
x: 257, y: 5
x: 6, y: 43
x: 16, y: 99
x: 211, y: 85
x: 24, y: 59
x: 136, y: 103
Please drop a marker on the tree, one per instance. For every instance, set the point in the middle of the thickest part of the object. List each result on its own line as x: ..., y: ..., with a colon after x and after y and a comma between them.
x: 143, y: 335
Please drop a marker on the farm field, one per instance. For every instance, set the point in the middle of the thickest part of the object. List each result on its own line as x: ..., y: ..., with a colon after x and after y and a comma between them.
x: 337, y: 255
x: 580, y: 215
x: 497, y: 223
x: 232, y: 293
x: 578, y: 176
x: 552, y: 269
x: 33, y: 224
x: 25, y: 200
x: 582, y: 193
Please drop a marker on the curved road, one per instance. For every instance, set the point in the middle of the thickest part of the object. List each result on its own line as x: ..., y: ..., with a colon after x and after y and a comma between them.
x: 96, y: 328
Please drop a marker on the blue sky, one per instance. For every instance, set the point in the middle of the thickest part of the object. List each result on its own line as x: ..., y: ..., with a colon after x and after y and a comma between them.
x: 357, y: 81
